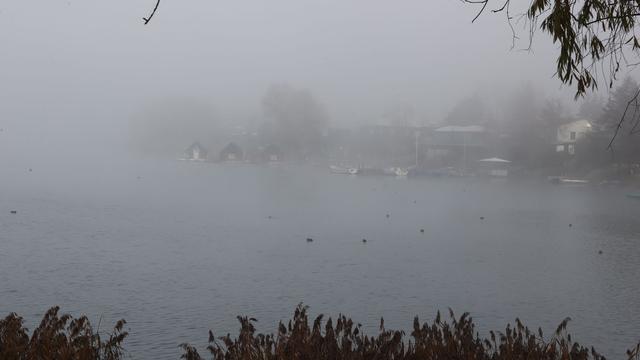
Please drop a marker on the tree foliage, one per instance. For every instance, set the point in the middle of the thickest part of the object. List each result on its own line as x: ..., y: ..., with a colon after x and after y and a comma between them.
x: 616, y: 107
x: 469, y: 111
x: 298, y: 120
x: 588, y: 32
x: 592, y: 106
x: 621, y: 114
x: 596, y: 39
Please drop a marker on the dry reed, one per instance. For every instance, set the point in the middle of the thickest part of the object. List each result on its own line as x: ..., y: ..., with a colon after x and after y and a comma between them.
x: 61, y: 337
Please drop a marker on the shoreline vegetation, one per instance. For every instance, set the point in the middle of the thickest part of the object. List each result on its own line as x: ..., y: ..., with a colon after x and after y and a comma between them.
x: 64, y: 337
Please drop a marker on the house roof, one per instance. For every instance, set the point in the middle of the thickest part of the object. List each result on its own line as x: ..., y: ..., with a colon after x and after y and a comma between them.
x: 580, y: 122
x: 495, y: 160
x: 196, y: 145
x: 232, y: 147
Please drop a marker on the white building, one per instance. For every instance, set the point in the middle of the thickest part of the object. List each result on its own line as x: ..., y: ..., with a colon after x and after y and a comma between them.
x: 568, y: 134
x: 195, y: 152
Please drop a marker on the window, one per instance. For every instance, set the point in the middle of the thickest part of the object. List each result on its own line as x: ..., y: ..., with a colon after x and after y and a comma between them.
x: 573, y: 135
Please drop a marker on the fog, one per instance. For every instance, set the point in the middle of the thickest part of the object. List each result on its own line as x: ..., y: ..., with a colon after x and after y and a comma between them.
x: 74, y: 70
x: 370, y: 157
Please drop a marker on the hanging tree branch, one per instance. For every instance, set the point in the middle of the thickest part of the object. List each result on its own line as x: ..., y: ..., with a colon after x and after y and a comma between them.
x: 633, y: 101
x: 595, y: 37
x: 147, y: 19
x: 588, y: 32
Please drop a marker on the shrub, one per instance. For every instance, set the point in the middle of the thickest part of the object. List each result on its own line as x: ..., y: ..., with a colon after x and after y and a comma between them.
x: 58, y: 338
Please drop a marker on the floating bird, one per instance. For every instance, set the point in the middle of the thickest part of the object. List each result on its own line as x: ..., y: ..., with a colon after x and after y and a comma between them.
x: 269, y: 217
x: 481, y: 217
x: 422, y: 230
x: 570, y: 225
x: 309, y: 240
x: 14, y: 211
x: 388, y: 216
x: 30, y: 170
x: 600, y: 252
x: 364, y: 240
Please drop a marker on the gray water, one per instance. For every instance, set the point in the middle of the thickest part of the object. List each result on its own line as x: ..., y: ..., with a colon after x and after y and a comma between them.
x: 179, y: 248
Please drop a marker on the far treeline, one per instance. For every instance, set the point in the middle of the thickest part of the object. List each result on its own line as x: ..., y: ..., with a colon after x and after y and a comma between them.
x: 524, y: 128
x: 597, y: 40
x: 531, y: 124
x: 65, y: 338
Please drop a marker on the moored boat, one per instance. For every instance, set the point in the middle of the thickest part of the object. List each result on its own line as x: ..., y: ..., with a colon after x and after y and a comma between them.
x: 573, y: 182
x: 342, y: 170
x: 559, y: 180
x: 400, y: 172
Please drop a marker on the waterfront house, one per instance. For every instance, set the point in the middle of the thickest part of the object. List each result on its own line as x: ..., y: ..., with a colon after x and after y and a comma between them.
x: 457, y: 146
x: 272, y: 153
x: 195, y: 152
x: 232, y: 152
x: 567, y: 135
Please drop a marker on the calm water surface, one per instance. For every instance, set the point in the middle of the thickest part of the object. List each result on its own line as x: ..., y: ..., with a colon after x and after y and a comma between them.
x: 180, y: 248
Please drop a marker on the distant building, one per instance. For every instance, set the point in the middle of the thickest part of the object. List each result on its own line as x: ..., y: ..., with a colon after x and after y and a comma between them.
x: 232, y: 152
x: 272, y: 153
x: 494, y: 166
x: 568, y: 134
x: 457, y: 146
x: 471, y: 136
x: 195, y: 152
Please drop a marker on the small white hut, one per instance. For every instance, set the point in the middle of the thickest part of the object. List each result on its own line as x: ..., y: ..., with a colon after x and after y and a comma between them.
x: 195, y: 152
x: 494, y: 167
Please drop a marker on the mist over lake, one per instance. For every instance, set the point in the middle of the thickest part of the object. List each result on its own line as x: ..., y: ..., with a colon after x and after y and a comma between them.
x: 178, y: 248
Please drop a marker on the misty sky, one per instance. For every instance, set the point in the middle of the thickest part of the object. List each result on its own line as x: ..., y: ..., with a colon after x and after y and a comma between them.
x: 80, y: 68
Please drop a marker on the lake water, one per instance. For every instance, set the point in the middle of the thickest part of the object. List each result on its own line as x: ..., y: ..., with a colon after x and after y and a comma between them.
x: 179, y: 248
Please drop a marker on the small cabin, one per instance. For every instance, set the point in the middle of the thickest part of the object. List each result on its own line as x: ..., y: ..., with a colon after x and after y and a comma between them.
x: 195, y: 152
x: 494, y: 167
x: 231, y: 152
x: 272, y: 153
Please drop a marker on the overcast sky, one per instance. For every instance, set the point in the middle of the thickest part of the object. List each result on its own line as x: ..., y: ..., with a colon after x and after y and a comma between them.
x: 84, y: 66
